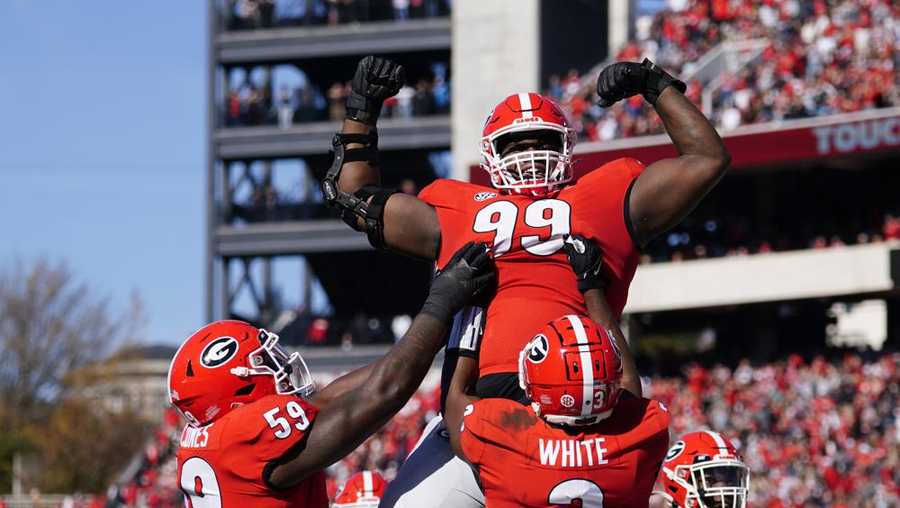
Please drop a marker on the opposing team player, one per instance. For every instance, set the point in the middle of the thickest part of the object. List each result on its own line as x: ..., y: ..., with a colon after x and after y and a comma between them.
x: 258, y: 432
x: 362, y: 490
x: 584, y: 436
x: 527, y: 149
x: 702, y: 470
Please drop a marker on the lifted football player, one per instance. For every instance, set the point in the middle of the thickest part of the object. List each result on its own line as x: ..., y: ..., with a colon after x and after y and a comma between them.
x: 527, y: 149
x: 585, y: 438
x: 702, y: 470
x: 258, y: 432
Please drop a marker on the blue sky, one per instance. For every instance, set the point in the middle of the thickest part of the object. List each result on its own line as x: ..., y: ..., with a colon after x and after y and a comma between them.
x: 102, y: 148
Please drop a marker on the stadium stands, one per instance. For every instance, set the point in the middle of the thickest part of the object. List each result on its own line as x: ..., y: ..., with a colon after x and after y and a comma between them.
x: 252, y: 100
x: 819, y: 58
x: 255, y: 14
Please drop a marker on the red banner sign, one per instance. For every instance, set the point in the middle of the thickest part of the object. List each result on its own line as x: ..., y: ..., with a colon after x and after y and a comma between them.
x: 769, y: 144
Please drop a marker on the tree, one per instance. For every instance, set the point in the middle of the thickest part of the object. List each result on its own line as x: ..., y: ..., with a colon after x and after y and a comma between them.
x: 83, y: 445
x: 51, y: 326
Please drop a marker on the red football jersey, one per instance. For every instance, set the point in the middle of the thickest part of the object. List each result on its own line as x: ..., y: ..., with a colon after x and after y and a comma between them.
x: 535, y: 282
x: 524, y: 461
x: 221, y: 465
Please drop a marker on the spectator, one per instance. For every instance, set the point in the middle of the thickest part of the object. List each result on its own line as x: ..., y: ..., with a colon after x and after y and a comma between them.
x: 285, y: 109
x: 423, y: 99
x: 408, y: 186
x: 337, y: 96
x: 401, y: 9
x: 404, y: 101
x: 891, y: 228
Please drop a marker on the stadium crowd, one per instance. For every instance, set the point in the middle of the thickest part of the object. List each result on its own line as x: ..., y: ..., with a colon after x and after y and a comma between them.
x: 251, y: 103
x: 822, y: 57
x: 815, y: 434
x: 255, y: 14
x: 730, y: 235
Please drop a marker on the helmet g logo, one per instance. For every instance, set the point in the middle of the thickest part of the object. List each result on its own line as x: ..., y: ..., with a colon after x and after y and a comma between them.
x: 537, y: 349
x: 218, y: 352
x: 675, y: 451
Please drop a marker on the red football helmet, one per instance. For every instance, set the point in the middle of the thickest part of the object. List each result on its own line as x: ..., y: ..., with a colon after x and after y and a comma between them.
x: 362, y: 490
x: 571, y: 371
x: 704, y: 470
x: 229, y: 363
x: 535, y: 171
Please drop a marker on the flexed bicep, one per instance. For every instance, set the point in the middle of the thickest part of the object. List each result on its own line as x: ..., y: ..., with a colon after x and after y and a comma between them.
x: 411, y: 227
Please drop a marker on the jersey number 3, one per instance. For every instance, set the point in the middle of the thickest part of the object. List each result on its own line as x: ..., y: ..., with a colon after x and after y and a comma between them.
x: 567, y: 492
x: 500, y: 217
x: 199, y: 483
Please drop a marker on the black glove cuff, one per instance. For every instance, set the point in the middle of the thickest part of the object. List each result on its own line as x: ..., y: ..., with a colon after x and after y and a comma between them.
x: 585, y: 285
x: 658, y: 80
x: 437, y: 309
x: 363, y: 109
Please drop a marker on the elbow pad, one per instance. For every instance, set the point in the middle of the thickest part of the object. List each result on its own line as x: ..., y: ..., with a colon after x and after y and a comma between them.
x: 357, y: 205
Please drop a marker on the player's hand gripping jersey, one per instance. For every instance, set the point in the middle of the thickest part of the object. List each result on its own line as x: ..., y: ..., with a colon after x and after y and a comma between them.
x: 221, y: 464
x: 523, y: 461
x: 535, y: 283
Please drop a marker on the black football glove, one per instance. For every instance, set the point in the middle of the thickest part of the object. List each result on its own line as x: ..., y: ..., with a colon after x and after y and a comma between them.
x: 375, y: 80
x: 467, y: 276
x: 624, y: 79
x: 587, y: 262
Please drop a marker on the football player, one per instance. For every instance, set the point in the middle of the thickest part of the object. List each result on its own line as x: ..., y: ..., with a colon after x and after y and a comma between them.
x: 702, y: 470
x: 533, y: 205
x: 258, y: 432
x: 584, y: 437
x: 362, y: 490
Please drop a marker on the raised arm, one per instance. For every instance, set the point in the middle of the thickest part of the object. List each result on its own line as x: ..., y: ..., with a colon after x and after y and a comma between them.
x: 669, y: 189
x: 353, y: 184
x: 356, y: 414
x: 586, y: 260
x: 599, y: 311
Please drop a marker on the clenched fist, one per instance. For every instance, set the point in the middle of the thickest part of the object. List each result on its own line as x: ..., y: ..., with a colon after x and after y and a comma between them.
x: 624, y: 79
x: 375, y: 80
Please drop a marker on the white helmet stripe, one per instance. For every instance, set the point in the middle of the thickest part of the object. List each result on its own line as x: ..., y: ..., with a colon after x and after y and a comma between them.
x: 525, y: 104
x: 368, y: 485
x: 587, y: 373
x: 720, y: 443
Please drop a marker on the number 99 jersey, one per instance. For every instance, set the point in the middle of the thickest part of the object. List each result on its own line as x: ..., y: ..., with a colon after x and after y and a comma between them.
x: 224, y: 463
x: 535, y: 283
